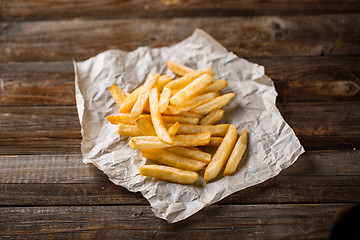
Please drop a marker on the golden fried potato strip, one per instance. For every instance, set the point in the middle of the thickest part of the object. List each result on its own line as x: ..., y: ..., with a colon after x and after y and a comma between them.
x: 237, y: 154
x: 221, y: 155
x: 168, y: 173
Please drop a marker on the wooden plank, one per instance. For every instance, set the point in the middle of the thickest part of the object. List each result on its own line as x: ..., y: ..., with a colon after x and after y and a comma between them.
x: 324, y: 125
x: 56, y: 129
x: 311, y: 221
x: 46, y: 9
x: 37, y: 83
x: 296, y: 79
x: 316, y: 177
x: 39, y: 130
x: 317, y: 35
x: 314, y: 78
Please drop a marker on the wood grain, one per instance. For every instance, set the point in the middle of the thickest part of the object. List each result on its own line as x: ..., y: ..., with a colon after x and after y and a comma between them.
x: 39, y: 130
x: 302, y: 79
x: 296, y: 79
x: 38, y: 83
x: 309, y: 48
x: 316, y: 177
x: 47, y: 9
x: 316, y: 35
x: 310, y: 221
x: 56, y: 129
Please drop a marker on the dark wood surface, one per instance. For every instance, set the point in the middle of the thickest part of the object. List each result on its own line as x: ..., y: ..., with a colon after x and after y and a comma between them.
x: 309, y: 48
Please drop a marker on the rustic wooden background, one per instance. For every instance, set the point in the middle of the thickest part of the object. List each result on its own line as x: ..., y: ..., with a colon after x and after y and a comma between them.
x: 311, y: 50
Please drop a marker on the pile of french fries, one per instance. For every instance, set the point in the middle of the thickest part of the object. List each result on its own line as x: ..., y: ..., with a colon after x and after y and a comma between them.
x: 168, y: 119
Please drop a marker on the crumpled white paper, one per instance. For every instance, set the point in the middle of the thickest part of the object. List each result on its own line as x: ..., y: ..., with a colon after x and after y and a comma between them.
x: 272, y: 144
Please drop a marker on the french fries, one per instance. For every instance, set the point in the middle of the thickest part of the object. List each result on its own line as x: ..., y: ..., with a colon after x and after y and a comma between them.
x: 149, y: 142
x: 181, y: 119
x: 118, y: 94
x: 215, y: 86
x: 130, y: 100
x: 218, y: 102
x: 173, y: 160
x: 178, y: 68
x: 188, y: 78
x: 190, y: 115
x: 215, y: 130
x: 120, y: 119
x: 169, y: 174
x: 215, y: 141
x: 221, y: 155
x: 126, y: 119
x: 174, y: 128
x: 167, y: 119
x: 157, y: 119
x: 144, y: 95
x: 129, y: 130
x: 193, y: 102
x: 236, y: 155
x: 191, y: 153
x: 213, y: 117
x: 162, y: 81
x: 164, y: 100
x: 145, y: 126
x: 190, y: 90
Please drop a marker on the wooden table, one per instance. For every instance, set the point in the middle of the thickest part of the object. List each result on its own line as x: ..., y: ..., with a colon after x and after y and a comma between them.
x: 311, y: 50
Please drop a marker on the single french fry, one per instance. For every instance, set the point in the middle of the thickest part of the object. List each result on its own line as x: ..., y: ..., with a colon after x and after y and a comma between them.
x: 129, y: 130
x: 190, y: 115
x: 218, y: 102
x: 216, y: 86
x: 196, y: 154
x: 171, y: 159
x: 162, y: 81
x: 236, y: 154
x: 181, y: 119
x: 164, y: 99
x: 144, y: 95
x: 218, y: 130
x: 118, y: 119
x: 213, y: 117
x: 145, y: 126
x: 147, y: 106
x: 130, y: 100
x: 174, y: 128
x: 215, y: 141
x: 221, y: 155
x: 178, y: 69
x: 118, y: 94
x: 126, y: 119
x: 191, y: 90
x: 193, y: 102
x: 149, y: 142
x: 156, y: 117
x: 139, y: 106
x: 188, y: 78
x: 168, y: 173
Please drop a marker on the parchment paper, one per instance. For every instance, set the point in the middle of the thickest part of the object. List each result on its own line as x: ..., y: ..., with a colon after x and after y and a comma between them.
x: 272, y: 144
